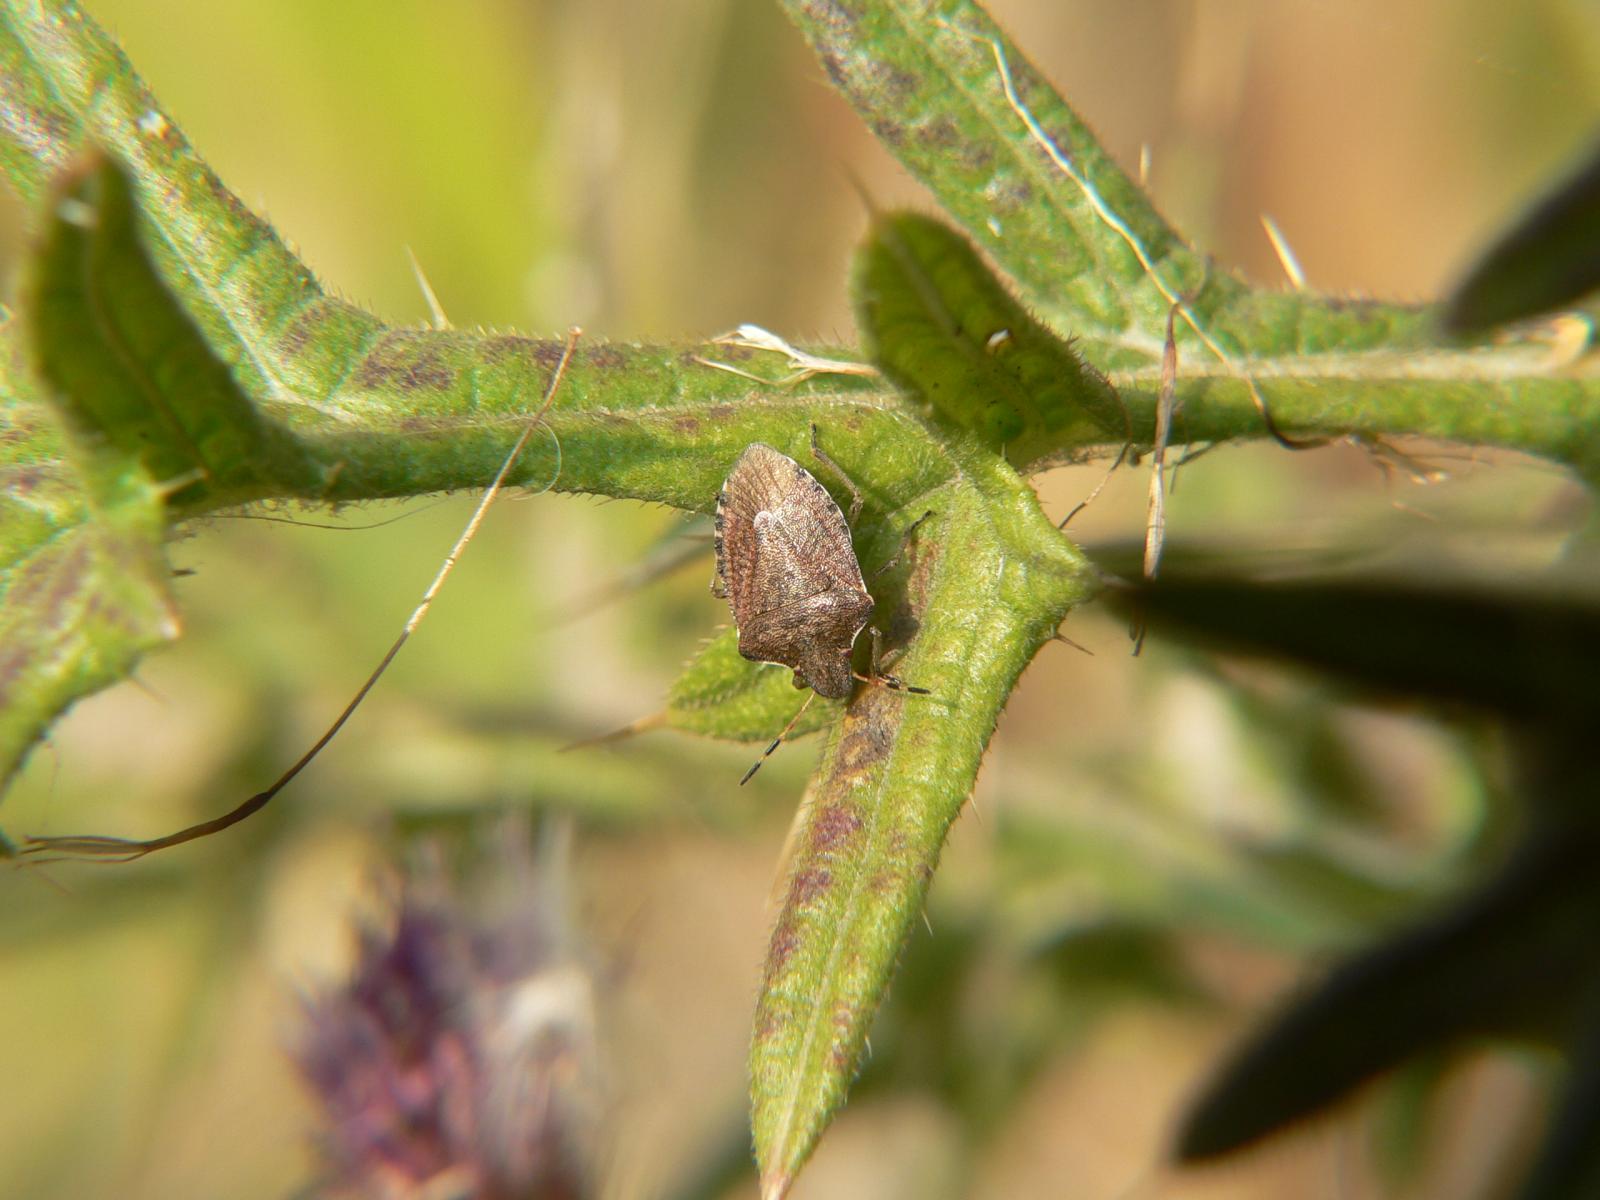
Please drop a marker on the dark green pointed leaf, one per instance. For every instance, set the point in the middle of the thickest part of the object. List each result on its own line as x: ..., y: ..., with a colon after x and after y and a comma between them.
x: 1518, y: 653
x: 939, y: 324
x: 148, y: 411
x: 1513, y: 957
x: 1549, y: 257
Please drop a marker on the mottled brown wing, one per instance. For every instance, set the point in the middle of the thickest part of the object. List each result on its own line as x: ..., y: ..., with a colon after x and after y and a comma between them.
x: 780, y: 538
x: 813, y: 637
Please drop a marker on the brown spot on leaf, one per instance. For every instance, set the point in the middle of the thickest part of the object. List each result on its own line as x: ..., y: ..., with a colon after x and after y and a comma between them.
x: 734, y: 354
x: 548, y: 352
x: 868, y: 735
x: 46, y: 593
x: 834, y: 825
x: 404, y: 362
x: 890, y: 133
x: 604, y: 358
x: 785, y: 938
x: 846, y: 1047
x: 13, y: 667
x: 890, y: 883
x: 1019, y: 194
x: 808, y: 884
x: 977, y: 157
x: 939, y: 134
x: 833, y: 67
x: 21, y: 481
x: 900, y: 84
x: 840, y: 16
x: 298, y: 332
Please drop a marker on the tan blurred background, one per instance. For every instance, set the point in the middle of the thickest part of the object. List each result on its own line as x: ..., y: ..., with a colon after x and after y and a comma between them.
x: 672, y: 168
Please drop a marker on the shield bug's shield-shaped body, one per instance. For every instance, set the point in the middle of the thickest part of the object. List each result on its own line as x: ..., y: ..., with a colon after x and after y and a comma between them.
x: 788, y: 568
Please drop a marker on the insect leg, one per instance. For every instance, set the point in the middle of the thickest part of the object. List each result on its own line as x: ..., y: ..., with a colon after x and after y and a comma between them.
x: 905, y: 540
x: 855, y: 492
x: 878, y: 679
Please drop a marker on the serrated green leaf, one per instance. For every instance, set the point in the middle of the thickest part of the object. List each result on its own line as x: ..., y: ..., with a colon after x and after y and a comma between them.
x: 382, y: 412
x: 966, y: 112
x: 969, y: 116
x: 133, y: 379
x: 926, y: 79
x: 896, y: 772
x: 722, y: 694
x: 83, y: 589
x: 939, y: 324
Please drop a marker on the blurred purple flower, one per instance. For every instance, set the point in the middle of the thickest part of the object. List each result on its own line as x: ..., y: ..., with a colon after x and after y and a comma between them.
x: 459, y: 1061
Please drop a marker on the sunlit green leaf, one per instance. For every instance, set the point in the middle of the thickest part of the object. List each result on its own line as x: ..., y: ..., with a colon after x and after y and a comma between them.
x: 133, y: 379
x: 940, y: 325
x: 83, y: 588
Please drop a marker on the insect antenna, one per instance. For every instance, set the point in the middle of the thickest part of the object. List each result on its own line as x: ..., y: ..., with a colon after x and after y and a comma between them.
x: 777, y: 741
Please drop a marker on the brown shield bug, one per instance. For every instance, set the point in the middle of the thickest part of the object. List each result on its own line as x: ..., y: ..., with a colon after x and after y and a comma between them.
x: 788, y: 569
